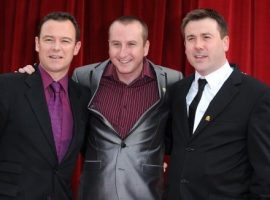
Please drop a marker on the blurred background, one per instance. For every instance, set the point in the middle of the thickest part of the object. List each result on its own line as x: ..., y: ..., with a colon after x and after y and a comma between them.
x: 247, y: 19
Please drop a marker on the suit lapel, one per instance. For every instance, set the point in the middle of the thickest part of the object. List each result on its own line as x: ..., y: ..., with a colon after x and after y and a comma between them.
x: 161, y: 77
x: 95, y: 78
x: 37, y: 100
x: 182, y: 109
x: 161, y: 81
x: 224, y: 96
x: 75, y: 103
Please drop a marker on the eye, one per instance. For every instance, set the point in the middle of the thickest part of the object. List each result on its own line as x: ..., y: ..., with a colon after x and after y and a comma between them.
x: 48, y: 39
x: 206, y: 37
x: 66, y: 41
x: 189, y: 39
x: 115, y: 44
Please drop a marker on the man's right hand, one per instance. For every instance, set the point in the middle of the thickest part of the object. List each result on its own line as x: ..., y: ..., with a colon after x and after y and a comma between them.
x: 29, y: 69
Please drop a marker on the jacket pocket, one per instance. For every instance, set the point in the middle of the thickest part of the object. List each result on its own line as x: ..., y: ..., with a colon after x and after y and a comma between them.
x: 8, y: 189
x: 152, y: 169
x: 92, y: 165
x: 9, y: 173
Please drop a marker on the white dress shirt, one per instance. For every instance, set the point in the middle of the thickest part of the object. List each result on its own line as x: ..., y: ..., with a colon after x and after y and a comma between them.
x: 215, y: 80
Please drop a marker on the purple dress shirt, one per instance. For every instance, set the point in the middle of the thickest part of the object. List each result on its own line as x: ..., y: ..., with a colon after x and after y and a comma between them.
x: 62, y: 142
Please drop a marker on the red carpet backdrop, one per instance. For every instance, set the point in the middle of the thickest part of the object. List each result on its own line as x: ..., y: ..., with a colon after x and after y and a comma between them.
x: 248, y: 22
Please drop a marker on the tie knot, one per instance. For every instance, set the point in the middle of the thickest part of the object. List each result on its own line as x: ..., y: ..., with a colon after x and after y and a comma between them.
x: 56, y: 86
x: 201, y: 83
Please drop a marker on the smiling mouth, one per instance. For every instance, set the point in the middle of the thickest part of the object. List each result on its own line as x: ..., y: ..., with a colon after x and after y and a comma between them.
x: 124, y: 61
x: 200, y: 56
x: 55, y: 57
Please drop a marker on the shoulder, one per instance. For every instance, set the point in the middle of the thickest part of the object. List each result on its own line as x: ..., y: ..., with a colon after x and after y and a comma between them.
x: 12, y: 76
x: 252, y: 84
x: 171, y: 75
x: 9, y: 80
x: 87, y: 68
x: 81, y: 74
x: 11, y: 86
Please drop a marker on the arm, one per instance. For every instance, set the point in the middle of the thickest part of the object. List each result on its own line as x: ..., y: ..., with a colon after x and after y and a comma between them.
x: 258, y: 142
x: 3, y: 104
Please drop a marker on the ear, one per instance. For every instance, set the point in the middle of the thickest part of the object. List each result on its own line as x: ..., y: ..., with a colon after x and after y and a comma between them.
x: 226, y: 43
x: 37, y: 44
x: 77, y: 48
x: 146, y: 47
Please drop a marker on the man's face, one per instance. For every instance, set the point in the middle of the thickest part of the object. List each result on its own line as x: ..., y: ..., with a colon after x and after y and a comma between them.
x: 127, y: 49
x: 56, y: 46
x: 205, y: 49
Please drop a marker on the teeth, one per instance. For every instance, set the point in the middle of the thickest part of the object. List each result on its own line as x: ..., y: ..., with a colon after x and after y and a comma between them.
x: 199, y: 56
x: 55, y: 57
x: 124, y: 61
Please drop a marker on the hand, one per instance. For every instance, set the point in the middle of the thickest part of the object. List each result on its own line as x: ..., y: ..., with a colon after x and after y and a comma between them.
x: 165, y: 166
x: 29, y: 69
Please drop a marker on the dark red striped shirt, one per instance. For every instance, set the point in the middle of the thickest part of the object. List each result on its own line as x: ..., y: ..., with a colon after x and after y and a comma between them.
x: 122, y: 104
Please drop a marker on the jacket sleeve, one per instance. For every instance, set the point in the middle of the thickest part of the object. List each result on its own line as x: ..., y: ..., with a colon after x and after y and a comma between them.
x: 258, y: 141
x: 3, y: 104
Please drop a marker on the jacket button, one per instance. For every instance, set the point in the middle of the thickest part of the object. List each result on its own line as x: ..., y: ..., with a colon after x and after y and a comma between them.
x: 189, y: 149
x: 123, y: 145
x: 55, y: 169
x: 184, y: 181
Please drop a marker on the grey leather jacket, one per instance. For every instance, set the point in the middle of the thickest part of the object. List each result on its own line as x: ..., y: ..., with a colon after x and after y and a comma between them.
x: 129, y: 169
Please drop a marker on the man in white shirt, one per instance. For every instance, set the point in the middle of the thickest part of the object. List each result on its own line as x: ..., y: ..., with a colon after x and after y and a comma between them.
x: 221, y: 131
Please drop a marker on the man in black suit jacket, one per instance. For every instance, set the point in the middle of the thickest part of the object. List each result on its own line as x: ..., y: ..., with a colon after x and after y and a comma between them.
x: 225, y: 155
x: 34, y: 165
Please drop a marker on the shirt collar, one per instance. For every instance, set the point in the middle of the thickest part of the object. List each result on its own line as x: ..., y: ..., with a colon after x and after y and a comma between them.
x: 47, y: 79
x: 216, y: 77
x: 147, y: 71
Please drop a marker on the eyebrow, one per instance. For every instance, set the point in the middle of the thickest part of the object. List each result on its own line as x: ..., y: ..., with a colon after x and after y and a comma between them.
x: 50, y: 36
x: 193, y: 35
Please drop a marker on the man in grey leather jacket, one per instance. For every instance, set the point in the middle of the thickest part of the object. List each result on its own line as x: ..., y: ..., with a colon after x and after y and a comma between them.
x: 125, y: 144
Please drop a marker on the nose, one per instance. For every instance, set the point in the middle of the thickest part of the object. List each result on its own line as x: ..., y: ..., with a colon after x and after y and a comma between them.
x: 56, y: 45
x: 123, y: 51
x: 198, y: 44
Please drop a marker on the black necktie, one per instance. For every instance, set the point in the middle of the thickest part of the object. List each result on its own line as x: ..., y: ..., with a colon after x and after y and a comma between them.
x: 194, y: 104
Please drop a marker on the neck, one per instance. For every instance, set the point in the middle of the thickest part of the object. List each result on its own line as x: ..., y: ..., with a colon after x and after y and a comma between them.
x: 56, y: 76
x: 126, y: 78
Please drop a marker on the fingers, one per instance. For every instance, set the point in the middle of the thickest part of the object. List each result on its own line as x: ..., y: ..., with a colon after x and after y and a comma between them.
x: 21, y: 70
x: 27, y: 69
x: 165, y: 166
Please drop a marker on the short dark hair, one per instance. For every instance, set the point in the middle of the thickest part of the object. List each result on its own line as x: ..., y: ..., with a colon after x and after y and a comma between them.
x: 130, y: 19
x: 60, y: 16
x: 199, y: 14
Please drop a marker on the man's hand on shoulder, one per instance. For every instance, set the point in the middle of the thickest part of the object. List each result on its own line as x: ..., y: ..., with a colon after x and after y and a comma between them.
x: 29, y: 69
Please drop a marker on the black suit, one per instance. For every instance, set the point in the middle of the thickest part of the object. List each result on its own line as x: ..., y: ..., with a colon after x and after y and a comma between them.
x: 228, y: 157
x: 29, y: 168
